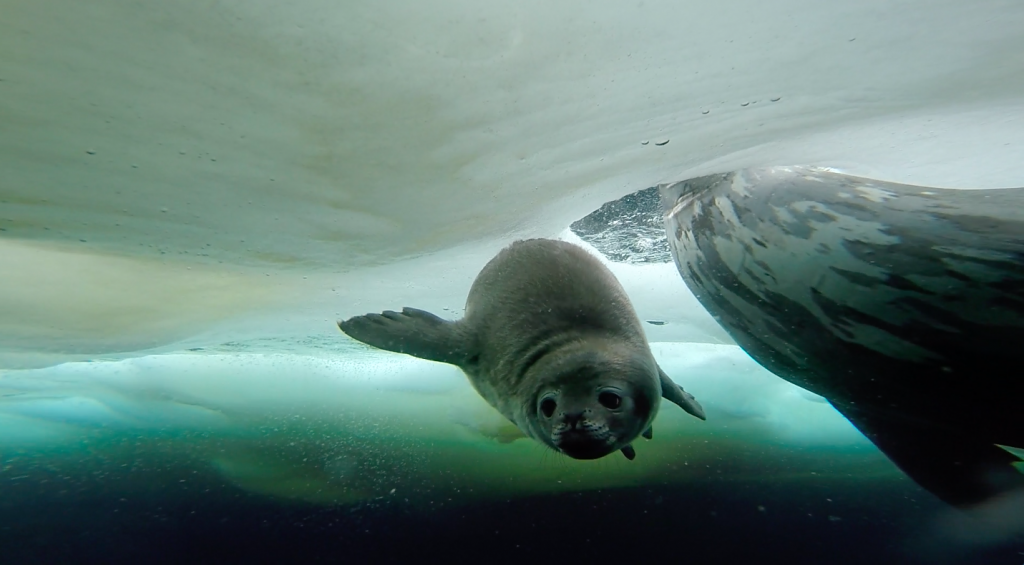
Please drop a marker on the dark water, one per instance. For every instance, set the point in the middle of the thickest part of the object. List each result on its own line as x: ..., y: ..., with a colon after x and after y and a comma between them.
x: 62, y: 510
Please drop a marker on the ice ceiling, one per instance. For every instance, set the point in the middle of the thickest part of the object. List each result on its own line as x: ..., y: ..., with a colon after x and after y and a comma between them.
x: 181, y: 173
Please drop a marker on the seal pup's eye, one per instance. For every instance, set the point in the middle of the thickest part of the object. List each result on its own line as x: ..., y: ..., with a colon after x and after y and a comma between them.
x: 547, y: 407
x: 609, y: 400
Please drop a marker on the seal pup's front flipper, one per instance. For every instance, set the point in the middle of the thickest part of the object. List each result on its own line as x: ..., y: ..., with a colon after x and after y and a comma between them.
x: 629, y: 452
x: 676, y: 395
x: 960, y: 470
x: 411, y: 331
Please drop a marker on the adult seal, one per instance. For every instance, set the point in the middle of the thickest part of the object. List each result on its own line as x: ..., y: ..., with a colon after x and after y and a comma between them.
x: 902, y: 305
x: 550, y: 339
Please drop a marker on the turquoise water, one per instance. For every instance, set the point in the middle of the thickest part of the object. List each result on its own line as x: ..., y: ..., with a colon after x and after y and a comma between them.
x: 234, y: 456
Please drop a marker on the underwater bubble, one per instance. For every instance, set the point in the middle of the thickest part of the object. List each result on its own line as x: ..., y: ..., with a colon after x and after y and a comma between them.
x: 644, y: 142
x: 662, y: 142
x: 745, y: 104
x: 706, y: 112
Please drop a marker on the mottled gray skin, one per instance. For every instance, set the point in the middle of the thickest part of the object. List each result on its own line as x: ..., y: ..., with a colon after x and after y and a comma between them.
x: 902, y: 305
x: 550, y: 339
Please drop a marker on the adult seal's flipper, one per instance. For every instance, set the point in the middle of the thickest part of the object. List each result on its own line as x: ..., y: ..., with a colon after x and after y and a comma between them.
x: 676, y: 395
x: 413, y: 332
x: 960, y: 470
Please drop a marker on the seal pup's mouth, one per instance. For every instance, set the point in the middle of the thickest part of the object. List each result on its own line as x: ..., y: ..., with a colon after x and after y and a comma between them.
x: 583, y: 442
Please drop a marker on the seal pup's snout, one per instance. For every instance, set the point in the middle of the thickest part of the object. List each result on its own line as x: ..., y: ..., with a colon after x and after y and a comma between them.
x: 572, y: 420
x: 575, y: 429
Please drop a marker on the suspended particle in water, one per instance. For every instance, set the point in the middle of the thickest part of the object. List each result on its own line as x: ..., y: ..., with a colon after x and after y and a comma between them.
x: 745, y: 104
x: 776, y: 99
x: 662, y: 142
x: 644, y: 142
x: 90, y: 151
x: 706, y: 112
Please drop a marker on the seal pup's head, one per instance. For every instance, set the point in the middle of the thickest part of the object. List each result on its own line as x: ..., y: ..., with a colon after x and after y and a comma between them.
x: 591, y: 401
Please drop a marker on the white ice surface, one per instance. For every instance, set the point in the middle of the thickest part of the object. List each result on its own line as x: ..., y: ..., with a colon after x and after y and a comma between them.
x: 183, y: 173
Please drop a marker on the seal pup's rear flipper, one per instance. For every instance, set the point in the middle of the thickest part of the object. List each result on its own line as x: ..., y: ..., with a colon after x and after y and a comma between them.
x: 413, y: 332
x: 676, y: 395
x: 960, y: 470
x: 648, y: 433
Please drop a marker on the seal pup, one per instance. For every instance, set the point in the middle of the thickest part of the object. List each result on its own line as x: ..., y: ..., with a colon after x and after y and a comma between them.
x: 550, y: 339
x: 902, y: 305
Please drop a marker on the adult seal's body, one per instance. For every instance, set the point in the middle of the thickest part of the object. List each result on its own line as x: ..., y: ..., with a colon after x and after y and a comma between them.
x: 902, y: 305
x: 550, y: 339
